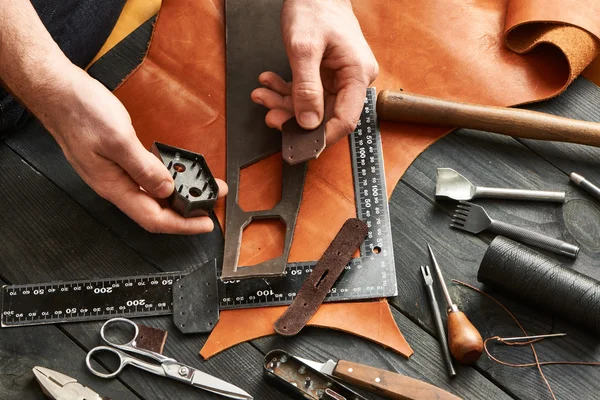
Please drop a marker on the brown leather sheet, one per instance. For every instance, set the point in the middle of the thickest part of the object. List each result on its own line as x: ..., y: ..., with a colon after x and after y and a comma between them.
x: 369, y: 320
x: 451, y: 49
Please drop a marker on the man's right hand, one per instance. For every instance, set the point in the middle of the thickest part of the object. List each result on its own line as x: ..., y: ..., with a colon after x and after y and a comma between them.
x: 95, y: 132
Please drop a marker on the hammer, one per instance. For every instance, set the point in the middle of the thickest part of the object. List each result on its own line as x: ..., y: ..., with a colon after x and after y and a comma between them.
x: 414, y: 108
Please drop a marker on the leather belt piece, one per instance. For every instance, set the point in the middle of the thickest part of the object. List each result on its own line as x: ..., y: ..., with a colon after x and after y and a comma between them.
x: 152, y: 339
x: 322, y: 278
x: 298, y: 144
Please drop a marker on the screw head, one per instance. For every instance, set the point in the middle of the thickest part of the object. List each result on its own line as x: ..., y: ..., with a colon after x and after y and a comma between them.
x: 183, y: 371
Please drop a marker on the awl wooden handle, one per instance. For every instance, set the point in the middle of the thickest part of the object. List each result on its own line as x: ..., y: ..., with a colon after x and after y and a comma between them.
x: 406, y: 107
x: 389, y: 384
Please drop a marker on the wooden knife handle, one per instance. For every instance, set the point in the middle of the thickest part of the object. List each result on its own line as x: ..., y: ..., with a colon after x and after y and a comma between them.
x: 389, y: 384
x: 406, y: 107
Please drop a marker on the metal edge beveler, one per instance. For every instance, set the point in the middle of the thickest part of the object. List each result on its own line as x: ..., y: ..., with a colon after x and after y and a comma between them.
x: 196, y: 190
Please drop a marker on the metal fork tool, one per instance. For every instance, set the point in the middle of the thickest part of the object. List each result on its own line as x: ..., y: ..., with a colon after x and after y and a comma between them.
x: 473, y: 218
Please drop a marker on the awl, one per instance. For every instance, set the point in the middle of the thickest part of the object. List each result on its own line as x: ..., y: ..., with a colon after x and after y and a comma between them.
x: 389, y: 384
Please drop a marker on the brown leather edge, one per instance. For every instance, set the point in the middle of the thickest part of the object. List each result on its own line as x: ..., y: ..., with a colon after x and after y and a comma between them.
x: 133, y: 71
x: 322, y: 278
x: 370, y: 320
x: 298, y: 145
x: 152, y: 339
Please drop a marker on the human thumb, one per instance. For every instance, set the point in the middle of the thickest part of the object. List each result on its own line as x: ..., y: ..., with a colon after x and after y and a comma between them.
x: 307, y: 91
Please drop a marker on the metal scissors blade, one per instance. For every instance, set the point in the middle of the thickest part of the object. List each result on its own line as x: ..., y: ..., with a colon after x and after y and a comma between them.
x: 165, y: 366
x: 212, y: 384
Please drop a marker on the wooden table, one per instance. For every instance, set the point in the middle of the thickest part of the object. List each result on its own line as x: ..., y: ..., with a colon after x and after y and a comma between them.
x: 53, y: 227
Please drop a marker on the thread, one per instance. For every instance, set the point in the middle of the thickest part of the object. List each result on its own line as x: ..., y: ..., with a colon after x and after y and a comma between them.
x: 540, y: 280
x: 530, y: 343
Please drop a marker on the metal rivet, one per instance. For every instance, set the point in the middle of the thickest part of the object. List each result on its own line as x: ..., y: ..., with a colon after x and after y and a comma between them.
x: 183, y: 371
x: 350, y: 370
x: 377, y: 380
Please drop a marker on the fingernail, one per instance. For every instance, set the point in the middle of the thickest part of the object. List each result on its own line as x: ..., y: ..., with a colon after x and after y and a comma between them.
x: 309, y: 119
x: 164, y: 189
x: 259, y: 101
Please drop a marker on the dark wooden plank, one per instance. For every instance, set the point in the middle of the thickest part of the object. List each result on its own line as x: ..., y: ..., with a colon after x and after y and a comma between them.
x: 45, y: 346
x: 490, y: 160
x: 48, y: 237
x: 426, y: 364
x: 167, y: 252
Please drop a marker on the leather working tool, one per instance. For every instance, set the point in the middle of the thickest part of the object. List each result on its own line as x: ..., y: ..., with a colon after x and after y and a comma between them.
x: 196, y: 190
x: 389, y: 384
x: 466, y: 344
x: 473, y: 218
x: 59, y: 386
x: 437, y: 320
x: 451, y: 184
x: 585, y: 185
x: 302, y: 381
x: 249, y: 139
x: 322, y: 278
x: 407, y: 107
x: 501, y: 77
x: 165, y: 366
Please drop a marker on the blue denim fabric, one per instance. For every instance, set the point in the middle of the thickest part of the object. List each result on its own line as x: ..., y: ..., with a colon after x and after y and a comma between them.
x: 80, y: 27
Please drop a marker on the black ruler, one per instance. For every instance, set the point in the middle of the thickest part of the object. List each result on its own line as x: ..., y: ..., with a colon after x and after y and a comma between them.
x: 373, y: 275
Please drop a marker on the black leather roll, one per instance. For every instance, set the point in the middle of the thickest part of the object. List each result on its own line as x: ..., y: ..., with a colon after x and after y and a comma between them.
x: 541, y: 280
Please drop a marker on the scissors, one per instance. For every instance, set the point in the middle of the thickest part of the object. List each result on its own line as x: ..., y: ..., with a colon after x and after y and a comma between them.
x: 166, y: 366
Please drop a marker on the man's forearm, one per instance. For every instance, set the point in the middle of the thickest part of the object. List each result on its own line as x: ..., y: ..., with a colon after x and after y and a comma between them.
x: 32, y: 66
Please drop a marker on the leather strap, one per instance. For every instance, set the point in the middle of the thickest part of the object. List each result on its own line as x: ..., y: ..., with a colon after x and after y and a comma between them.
x: 321, y: 280
x: 152, y: 339
x: 298, y: 145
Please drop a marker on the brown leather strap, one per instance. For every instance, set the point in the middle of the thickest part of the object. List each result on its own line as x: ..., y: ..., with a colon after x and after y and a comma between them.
x: 152, y: 339
x: 321, y: 280
x: 298, y: 144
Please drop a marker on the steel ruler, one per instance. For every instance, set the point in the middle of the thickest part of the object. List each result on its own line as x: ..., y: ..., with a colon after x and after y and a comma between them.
x: 373, y: 275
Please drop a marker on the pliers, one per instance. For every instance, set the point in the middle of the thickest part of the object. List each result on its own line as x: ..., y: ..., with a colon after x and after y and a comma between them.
x: 58, y: 386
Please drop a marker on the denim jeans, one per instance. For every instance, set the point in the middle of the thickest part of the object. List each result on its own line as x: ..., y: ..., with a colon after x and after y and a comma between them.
x: 80, y: 27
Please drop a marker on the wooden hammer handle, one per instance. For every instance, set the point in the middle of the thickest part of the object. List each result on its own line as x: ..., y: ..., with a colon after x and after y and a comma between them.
x: 406, y: 107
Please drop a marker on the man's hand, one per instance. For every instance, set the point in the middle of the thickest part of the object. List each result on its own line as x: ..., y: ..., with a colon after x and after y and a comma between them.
x: 95, y: 132
x: 332, y: 66
x: 88, y: 122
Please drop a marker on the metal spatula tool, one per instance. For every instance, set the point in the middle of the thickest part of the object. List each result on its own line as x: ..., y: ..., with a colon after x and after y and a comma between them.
x: 451, y: 184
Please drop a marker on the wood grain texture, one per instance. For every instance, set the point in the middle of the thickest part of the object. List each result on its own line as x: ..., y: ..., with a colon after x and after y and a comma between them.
x: 426, y: 364
x: 414, y: 108
x: 50, y: 237
x: 417, y: 219
x: 46, y: 346
x: 464, y: 340
x: 167, y: 252
x: 489, y: 160
x: 391, y: 385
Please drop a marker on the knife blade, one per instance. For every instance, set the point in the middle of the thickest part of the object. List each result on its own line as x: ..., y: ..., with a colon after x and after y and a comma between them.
x: 390, y: 384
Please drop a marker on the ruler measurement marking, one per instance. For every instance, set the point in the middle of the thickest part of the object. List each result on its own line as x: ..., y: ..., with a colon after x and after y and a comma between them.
x: 372, y: 207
